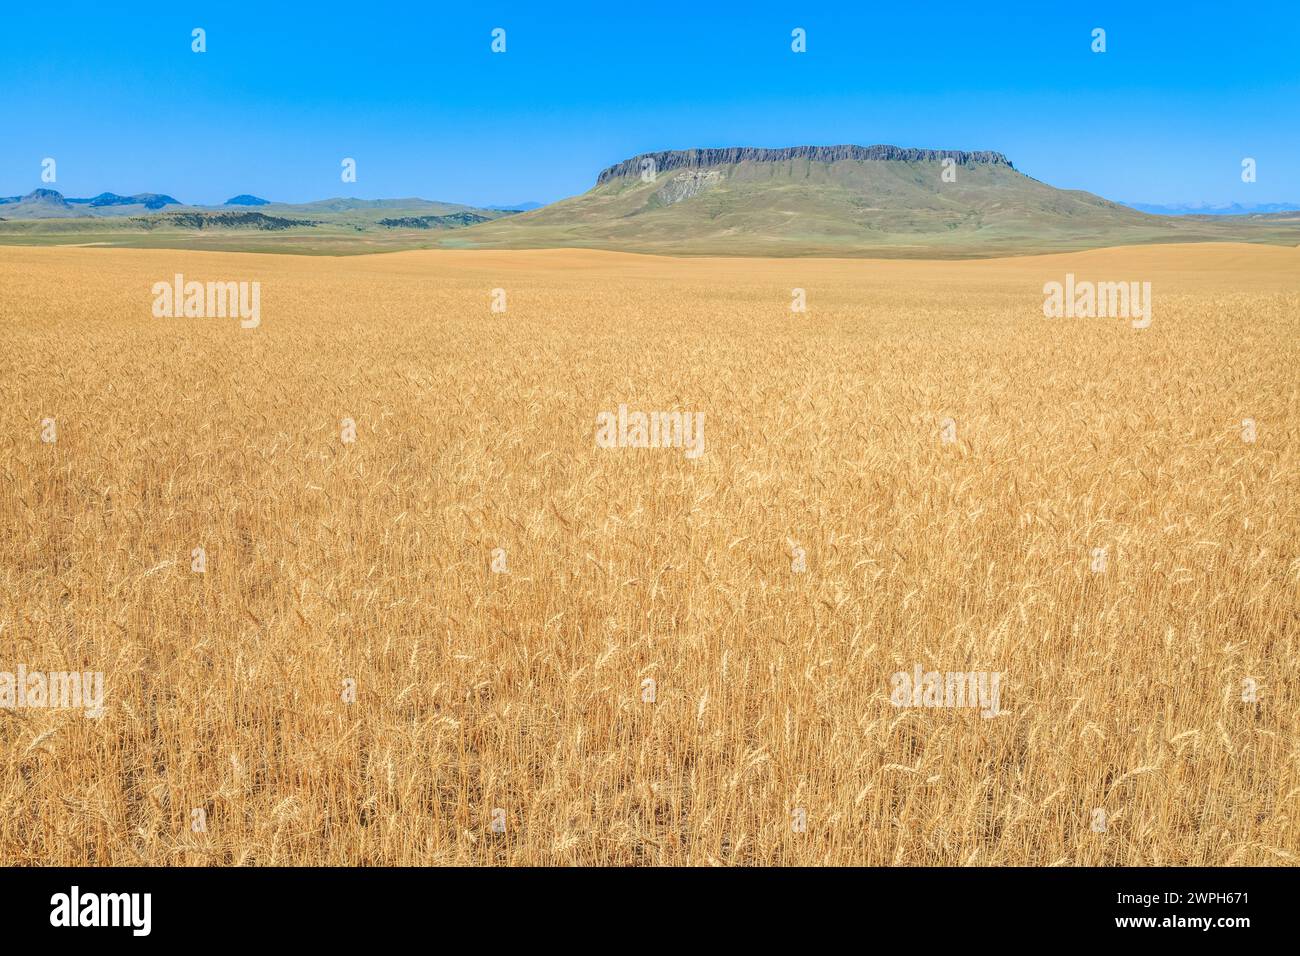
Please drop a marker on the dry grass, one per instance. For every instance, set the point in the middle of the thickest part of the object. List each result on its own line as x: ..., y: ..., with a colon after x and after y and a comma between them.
x: 523, y: 690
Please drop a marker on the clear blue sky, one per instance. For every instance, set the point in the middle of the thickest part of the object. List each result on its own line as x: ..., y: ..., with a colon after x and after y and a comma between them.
x: 413, y: 93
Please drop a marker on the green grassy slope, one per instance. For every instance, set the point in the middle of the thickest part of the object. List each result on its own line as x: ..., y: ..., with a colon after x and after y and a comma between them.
x: 850, y: 207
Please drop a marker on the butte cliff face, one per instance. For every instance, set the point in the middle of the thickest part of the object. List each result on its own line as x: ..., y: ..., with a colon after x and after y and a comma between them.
x: 669, y: 160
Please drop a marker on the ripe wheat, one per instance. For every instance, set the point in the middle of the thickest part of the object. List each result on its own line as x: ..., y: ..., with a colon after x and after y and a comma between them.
x: 472, y: 636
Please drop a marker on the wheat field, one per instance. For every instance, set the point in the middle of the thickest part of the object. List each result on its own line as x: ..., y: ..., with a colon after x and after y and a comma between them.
x: 471, y: 636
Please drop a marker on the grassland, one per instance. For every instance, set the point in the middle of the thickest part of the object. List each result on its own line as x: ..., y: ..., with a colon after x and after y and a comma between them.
x: 791, y: 209
x: 333, y: 227
x: 885, y: 209
x: 371, y: 561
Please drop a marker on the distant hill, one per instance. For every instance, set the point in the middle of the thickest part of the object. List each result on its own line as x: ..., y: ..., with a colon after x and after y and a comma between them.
x: 38, y: 204
x: 518, y: 207
x: 219, y: 220
x: 434, y: 222
x: 147, y: 200
x: 342, y: 204
x: 243, y: 199
x: 51, y: 204
x: 838, y: 200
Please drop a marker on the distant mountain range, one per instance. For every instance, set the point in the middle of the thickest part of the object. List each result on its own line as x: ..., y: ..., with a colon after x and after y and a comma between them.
x: 1209, y: 209
x: 49, y: 203
x: 42, y: 204
x: 341, y: 225
x: 842, y: 200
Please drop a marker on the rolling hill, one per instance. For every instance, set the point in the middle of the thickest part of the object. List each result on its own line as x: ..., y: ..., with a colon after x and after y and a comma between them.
x: 245, y: 222
x: 881, y: 201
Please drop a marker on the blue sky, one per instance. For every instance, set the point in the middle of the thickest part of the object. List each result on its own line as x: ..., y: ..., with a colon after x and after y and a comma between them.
x: 414, y: 94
